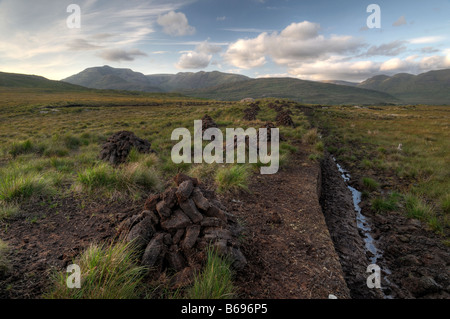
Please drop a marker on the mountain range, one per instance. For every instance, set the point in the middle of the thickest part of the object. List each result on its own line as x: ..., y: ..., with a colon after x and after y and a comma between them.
x: 427, y: 88
x: 226, y: 86
x: 106, y: 77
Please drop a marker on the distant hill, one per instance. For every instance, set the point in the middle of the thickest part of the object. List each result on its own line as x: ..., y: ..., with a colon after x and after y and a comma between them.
x: 299, y: 90
x: 14, y: 80
x: 193, y: 81
x: 427, y: 88
x: 107, y: 77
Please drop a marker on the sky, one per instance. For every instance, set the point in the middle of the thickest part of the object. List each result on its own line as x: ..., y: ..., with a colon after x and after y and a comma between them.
x: 312, y: 40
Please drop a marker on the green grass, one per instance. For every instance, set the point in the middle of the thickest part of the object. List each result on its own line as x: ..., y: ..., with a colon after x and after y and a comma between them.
x: 101, y: 175
x: 4, y: 263
x: 107, y: 272
x: 8, y: 210
x: 215, y: 281
x: 370, y: 184
x: 298, y: 90
x: 311, y: 137
x: 18, y: 187
x: 446, y: 205
x: 130, y: 178
x: 367, y: 140
x: 232, y: 178
x: 315, y: 157
x: 388, y: 204
x: 19, y: 148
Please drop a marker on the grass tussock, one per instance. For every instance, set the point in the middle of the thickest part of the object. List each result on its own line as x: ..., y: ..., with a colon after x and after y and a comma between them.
x: 386, y: 204
x: 233, y: 178
x: 370, y: 184
x: 18, y: 187
x: 215, y: 281
x: 107, y: 272
x: 8, y: 210
x: 130, y: 178
x: 311, y: 137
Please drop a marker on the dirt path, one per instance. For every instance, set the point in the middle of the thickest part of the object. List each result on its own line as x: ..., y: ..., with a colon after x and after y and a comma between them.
x: 289, y: 249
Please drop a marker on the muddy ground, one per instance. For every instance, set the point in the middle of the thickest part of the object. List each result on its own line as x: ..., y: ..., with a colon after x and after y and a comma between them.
x: 293, y: 248
x: 47, y: 236
x: 414, y: 261
x: 286, y: 242
x: 340, y: 216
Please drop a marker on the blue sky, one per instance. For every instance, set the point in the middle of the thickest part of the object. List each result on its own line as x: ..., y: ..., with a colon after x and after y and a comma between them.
x: 314, y: 40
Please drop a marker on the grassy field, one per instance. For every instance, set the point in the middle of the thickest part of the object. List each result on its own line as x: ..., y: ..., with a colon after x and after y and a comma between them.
x: 402, y: 155
x: 50, y: 143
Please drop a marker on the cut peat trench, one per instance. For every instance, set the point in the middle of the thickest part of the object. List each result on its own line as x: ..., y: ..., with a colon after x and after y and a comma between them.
x: 350, y: 231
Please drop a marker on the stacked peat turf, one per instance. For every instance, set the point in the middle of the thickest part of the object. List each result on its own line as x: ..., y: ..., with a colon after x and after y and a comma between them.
x: 118, y: 146
x: 284, y: 118
x: 208, y: 122
x: 178, y: 225
x: 251, y: 112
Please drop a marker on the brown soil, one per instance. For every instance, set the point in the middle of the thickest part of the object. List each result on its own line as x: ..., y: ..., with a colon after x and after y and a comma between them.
x: 418, y: 260
x: 416, y: 256
x: 340, y: 215
x: 46, y: 239
x: 286, y: 242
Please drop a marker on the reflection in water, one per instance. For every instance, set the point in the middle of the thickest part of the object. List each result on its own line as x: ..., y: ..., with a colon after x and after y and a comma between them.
x: 363, y: 224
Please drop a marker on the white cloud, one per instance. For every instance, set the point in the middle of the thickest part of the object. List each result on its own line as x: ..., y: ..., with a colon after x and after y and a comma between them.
x: 426, y: 40
x: 194, y: 60
x: 247, y: 54
x: 297, y: 43
x: 395, y: 64
x: 274, y: 75
x: 175, y: 24
x: 337, y: 68
x: 223, y: 18
x: 199, y: 58
x: 160, y: 52
x: 207, y: 48
x: 35, y: 32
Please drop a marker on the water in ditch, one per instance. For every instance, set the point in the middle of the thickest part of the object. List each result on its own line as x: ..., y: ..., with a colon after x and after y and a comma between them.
x: 364, y: 226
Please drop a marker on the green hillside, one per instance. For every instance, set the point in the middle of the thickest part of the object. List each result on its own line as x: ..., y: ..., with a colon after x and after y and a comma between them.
x: 427, y: 88
x: 107, y: 77
x: 14, y: 80
x: 299, y: 90
x: 192, y: 81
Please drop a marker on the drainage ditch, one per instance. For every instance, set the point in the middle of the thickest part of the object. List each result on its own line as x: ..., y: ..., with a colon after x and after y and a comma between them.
x: 350, y: 231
